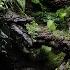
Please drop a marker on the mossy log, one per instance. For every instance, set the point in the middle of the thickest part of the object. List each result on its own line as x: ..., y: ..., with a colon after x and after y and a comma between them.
x: 59, y: 43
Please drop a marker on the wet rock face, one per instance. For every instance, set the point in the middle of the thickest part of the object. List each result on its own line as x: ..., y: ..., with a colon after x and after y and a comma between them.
x: 12, y: 17
x: 13, y: 24
x: 22, y: 33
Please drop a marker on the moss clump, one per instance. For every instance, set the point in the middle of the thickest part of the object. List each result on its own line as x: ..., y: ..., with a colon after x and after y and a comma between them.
x: 51, y: 59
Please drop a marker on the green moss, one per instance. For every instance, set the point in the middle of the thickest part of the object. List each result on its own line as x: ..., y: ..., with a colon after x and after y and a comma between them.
x: 52, y: 59
x: 33, y: 28
x: 62, y: 34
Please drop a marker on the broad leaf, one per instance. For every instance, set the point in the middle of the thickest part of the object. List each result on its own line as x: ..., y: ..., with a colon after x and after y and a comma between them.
x: 51, y: 25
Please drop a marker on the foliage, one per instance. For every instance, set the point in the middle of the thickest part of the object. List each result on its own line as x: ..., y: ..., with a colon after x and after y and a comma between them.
x: 62, y: 34
x: 64, y: 12
x: 59, y: 17
x: 19, y: 6
x: 46, y: 49
x: 54, y: 60
x: 51, y: 25
x: 32, y: 28
x: 58, y: 24
x: 2, y: 5
x: 65, y: 66
x: 61, y: 13
x: 36, y: 1
x: 19, y: 45
x: 44, y: 16
x: 21, y: 3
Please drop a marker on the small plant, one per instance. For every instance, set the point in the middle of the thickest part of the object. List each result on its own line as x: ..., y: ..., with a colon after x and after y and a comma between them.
x: 61, y: 13
x: 51, y: 25
x: 33, y: 28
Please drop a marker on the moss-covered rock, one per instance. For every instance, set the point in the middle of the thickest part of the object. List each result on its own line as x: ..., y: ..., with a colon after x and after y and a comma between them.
x: 51, y: 59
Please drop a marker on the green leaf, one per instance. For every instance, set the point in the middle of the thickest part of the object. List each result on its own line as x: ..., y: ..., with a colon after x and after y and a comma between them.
x: 36, y: 1
x: 21, y: 3
x: 51, y: 25
x: 61, y: 13
x: 46, y: 49
x: 19, y: 6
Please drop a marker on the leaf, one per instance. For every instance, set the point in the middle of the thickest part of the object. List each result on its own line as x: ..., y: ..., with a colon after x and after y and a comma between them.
x: 19, y: 6
x: 36, y: 1
x: 61, y: 13
x: 1, y: 5
x: 21, y: 3
x: 46, y: 49
x: 51, y: 25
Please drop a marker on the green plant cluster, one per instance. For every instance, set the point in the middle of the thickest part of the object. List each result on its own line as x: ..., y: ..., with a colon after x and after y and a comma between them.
x: 15, y: 5
x: 59, y: 17
x: 54, y: 60
x: 62, y: 34
x: 54, y: 21
x: 19, y: 6
x: 32, y: 28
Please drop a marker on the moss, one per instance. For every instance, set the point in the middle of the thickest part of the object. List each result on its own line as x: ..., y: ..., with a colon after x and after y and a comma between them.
x: 51, y: 59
